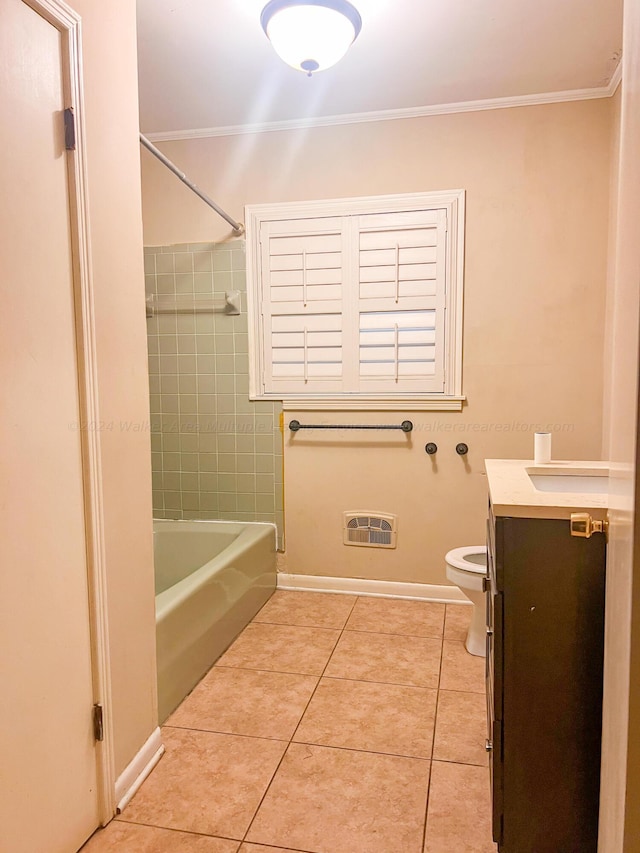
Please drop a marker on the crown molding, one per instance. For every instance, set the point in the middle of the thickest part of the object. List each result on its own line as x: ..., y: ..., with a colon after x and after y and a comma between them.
x: 392, y: 115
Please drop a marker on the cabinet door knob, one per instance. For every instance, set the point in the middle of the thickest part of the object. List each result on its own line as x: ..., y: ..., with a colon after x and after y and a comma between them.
x: 584, y: 526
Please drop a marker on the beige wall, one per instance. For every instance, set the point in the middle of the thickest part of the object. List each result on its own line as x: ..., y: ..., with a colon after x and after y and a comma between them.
x: 620, y: 815
x: 110, y: 76
x: 537, y: 182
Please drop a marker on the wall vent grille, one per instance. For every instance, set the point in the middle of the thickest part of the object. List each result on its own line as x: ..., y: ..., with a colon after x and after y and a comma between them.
x: 371, y: 529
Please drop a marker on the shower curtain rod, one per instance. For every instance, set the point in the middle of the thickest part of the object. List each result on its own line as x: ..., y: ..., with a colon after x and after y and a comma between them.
x: 238, y: 227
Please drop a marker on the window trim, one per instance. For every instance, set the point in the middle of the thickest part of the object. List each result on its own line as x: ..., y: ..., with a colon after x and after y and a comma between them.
x: 451, y: 399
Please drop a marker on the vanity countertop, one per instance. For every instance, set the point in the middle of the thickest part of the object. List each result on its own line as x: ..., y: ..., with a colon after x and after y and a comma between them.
x: 514, y: 493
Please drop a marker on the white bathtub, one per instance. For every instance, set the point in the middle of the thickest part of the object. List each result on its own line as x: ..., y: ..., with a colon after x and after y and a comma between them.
x: 212, y: 577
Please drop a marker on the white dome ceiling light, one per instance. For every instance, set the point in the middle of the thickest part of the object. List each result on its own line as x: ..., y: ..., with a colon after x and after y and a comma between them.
x: 311, y: 35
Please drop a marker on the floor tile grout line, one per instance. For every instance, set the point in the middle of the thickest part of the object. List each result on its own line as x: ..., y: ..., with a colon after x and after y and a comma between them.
x: 278, y: 847
x: 266, y: 791
x: 268, y: 671
x: 264, y: 794
x: 367, y: 751
x: 458, y: 763
x: 339, y: 678
x: 396, y: 634
x: 284, y: 625
x: 226, y: 734
x: 372, y: 681
x: 120, y: 819
x: 426, y: 808
x: 354, y: 630
x: 299, y: 625
x: 462, y: 692
x: 387, y: 683
x: 433, y: 737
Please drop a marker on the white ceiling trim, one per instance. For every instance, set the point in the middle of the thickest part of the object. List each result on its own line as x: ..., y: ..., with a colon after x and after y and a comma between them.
x: 391, y: 115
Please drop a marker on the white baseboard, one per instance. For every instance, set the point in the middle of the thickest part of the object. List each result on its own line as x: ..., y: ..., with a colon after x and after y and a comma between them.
x: 441, y: 593
x: 138, y: 769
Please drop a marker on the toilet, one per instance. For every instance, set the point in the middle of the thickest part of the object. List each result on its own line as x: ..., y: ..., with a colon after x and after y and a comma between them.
x: 466, y: 568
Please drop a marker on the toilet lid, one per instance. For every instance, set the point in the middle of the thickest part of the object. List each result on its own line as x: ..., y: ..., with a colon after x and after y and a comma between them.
x: 471, y: 558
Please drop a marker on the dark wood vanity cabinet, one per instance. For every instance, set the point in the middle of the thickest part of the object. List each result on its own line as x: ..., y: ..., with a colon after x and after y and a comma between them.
x: 545, y: 644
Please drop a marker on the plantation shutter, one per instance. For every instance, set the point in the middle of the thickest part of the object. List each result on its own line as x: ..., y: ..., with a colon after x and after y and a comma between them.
x: 401, y: 301
x: 358, y: 302
x: 302, y: 276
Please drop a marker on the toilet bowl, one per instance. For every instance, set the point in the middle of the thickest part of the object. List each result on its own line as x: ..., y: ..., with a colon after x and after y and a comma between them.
x: 465, y: 568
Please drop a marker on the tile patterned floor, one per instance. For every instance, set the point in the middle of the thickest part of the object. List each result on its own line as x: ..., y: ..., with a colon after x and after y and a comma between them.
x: 333, y: 724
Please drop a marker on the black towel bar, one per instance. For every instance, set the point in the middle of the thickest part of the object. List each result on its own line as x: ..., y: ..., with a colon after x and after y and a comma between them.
x: 405, y: 426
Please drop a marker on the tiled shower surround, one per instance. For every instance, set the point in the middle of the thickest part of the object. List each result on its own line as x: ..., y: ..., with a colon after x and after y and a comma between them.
x: 215, y: 454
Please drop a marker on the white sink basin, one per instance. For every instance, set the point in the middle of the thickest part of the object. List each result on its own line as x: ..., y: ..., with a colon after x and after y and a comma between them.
x: 590, y: 484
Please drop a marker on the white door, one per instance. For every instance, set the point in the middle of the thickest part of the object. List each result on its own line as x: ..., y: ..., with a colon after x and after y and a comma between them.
x: 48, y: 777
x: 620, y: 781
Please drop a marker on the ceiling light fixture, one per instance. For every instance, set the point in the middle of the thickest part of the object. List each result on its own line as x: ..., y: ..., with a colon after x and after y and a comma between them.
x: 311, y: 35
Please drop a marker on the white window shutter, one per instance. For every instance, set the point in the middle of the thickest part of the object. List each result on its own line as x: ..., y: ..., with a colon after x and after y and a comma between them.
x: 402, y: 287
x: 302, y: 289
x: 357, y: 299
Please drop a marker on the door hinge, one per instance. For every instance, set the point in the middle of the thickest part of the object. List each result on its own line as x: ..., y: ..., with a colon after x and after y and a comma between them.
x: 69, y: 129
x: 98, y: 723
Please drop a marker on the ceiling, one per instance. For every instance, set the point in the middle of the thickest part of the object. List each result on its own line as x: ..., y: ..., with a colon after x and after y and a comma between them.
x: 206, y: 64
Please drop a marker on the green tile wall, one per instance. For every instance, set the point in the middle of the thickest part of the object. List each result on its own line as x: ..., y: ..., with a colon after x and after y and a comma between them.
x: 215, y: 453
